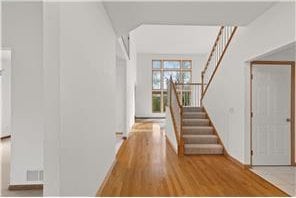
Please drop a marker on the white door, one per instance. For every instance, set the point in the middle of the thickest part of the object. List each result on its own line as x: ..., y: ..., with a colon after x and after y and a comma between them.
x: 271, y: 102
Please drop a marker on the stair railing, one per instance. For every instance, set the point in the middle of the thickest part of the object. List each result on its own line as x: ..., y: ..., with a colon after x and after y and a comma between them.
x: 177, y: 113
x: 189, y: 94
x: 219, y: 48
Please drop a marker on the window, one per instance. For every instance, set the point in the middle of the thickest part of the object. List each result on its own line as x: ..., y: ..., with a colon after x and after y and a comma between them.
x: 162, y: 70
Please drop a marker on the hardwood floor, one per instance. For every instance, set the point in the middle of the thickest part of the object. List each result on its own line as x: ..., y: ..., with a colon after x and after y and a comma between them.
x: 148, y: 166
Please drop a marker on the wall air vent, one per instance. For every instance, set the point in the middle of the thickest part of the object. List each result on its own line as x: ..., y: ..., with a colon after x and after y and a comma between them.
x: 34, y: 175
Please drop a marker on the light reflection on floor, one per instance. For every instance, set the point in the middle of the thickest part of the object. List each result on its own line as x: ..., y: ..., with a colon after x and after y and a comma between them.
x: 148, y: 125
x: 143, y: 125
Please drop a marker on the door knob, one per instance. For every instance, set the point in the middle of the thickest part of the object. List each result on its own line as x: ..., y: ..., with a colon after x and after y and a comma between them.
x: 288, y: 120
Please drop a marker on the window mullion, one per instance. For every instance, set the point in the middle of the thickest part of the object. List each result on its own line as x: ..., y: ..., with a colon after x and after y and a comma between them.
x: 173, y: 70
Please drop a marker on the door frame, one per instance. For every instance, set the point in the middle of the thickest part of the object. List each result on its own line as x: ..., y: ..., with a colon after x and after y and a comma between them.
x: 292, y: 112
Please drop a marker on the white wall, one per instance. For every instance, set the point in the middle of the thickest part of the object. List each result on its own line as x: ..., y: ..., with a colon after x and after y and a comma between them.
x: 175, y: 39
x: 1, y: 59
x: 144, y: 79
x: 84, y: 98
x: 121, y: 95
x: 22, y: 33
x: 5, y: 93
x: 51, y: 73
x: 131, y: 80
x: 227, y: 99
x: 1, y: 99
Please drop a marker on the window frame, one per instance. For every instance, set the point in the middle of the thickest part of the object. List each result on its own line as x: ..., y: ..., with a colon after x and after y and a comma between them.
x: 162, y: 70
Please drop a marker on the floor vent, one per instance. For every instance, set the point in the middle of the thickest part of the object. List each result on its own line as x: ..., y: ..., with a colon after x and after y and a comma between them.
x: 34, y: 175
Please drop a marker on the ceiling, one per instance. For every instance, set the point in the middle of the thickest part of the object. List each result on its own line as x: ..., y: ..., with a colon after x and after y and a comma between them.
x: 127, y: 15
x: 174, y: 39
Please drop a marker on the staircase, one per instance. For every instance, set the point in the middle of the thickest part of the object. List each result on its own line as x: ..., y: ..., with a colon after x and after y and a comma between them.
x: 193, y: 129
x: 198, y: 133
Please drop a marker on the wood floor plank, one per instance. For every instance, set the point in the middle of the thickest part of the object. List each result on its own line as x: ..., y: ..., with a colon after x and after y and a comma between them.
x: 148, y: 166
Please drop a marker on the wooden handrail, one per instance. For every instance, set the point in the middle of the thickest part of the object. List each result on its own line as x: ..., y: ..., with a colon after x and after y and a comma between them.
x: 204, y: 90
x: 213, y: 48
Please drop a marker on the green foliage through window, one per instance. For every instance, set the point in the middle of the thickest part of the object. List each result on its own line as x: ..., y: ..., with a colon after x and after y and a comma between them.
x: 162, y: 70
x: 156, y: 103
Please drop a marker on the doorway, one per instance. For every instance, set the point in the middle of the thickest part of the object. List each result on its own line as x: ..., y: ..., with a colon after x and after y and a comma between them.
x: 272, y: 112
x: 5, y: 93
